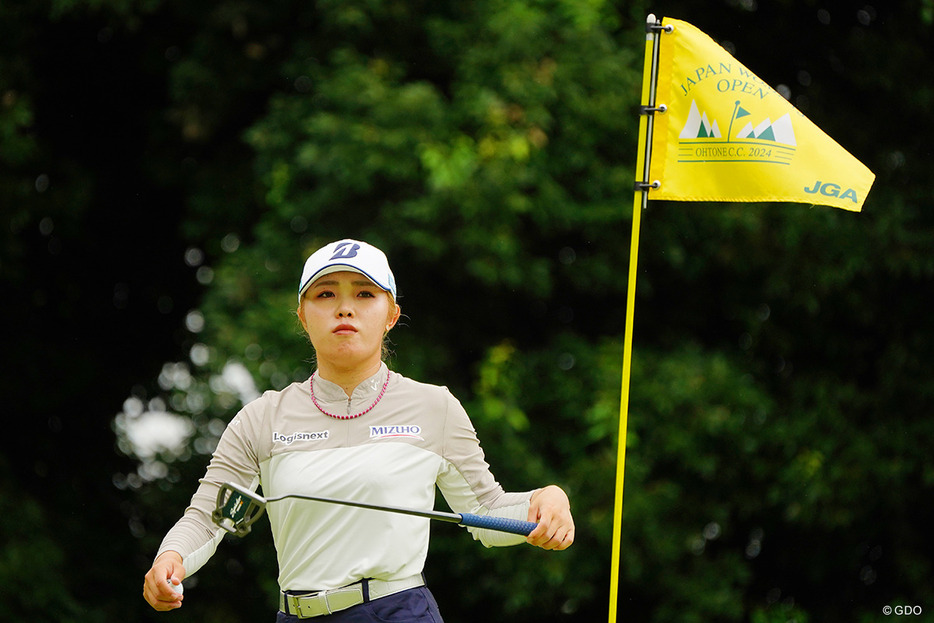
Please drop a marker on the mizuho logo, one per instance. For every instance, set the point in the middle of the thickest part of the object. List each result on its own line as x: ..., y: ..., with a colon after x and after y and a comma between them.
x: 409, y: 430
x: 345, y: 250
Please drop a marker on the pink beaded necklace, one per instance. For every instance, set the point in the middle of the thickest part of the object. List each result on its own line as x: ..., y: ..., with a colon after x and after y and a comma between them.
x: 311, y: 383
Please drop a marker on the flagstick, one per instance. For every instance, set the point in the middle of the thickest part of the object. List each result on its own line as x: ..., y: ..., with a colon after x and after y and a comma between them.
x: 639, y: 203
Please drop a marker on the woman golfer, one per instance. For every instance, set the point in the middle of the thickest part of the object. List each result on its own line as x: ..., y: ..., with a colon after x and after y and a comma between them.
x: 357, y: 431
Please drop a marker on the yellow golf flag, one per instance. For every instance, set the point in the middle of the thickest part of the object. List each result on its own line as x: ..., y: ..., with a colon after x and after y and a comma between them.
x: 727, y: 136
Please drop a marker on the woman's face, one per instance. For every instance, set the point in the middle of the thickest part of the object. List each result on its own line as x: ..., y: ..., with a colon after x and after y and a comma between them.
x: 346, y: 317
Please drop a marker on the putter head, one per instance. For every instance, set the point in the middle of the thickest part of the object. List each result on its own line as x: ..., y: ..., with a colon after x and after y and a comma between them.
x: 237, y: 508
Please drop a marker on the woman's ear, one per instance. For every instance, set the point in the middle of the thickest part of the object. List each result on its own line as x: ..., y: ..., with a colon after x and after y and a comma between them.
x: 394, y: 314
x: 300, y: 312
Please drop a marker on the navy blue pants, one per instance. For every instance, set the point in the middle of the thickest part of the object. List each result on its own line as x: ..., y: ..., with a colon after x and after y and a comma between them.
x: 416, y: 605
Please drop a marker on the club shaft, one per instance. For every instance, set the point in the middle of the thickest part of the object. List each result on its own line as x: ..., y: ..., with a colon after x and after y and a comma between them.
x: 236, y: 509
x: 450, y: 517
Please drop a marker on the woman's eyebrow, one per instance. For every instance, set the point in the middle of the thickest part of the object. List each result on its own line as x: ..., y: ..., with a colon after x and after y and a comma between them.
x: 334, y: 282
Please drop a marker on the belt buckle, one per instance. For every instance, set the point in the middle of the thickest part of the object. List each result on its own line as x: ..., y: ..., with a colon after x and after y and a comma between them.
x: 313, y: 605
x: 326, y: 602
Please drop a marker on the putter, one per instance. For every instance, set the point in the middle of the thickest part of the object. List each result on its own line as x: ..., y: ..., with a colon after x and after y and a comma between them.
x: 238, y: 508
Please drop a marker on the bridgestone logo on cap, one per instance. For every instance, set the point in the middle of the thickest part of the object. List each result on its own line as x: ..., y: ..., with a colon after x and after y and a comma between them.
x: 345, y: 250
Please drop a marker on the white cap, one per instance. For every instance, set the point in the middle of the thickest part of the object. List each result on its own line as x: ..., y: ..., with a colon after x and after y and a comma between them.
x: 352, y: 255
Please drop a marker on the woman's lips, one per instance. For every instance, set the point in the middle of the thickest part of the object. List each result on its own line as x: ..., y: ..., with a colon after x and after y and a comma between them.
x: 344, y: 329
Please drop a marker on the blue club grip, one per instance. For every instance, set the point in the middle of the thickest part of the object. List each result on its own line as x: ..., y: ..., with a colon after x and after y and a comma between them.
x: 501, y: 524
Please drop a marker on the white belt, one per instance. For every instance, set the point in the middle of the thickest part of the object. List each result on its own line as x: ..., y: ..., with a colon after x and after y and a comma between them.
x: 320, y: 603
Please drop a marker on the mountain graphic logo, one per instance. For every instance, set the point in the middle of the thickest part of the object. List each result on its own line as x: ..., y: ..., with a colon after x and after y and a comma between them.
x: 698, y: 126
x: 702, y: 140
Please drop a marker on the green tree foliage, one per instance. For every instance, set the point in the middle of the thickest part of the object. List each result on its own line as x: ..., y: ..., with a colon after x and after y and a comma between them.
x: 33, y: 579
x: 777, y: 463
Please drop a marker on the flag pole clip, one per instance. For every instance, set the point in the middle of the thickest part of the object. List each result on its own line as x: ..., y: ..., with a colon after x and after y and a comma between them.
x: 656, y: 26
x: 643, y: 186
x: 651, y: 110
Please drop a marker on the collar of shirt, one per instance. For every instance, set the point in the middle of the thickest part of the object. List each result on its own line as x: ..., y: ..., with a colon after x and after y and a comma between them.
x: 365, y: 393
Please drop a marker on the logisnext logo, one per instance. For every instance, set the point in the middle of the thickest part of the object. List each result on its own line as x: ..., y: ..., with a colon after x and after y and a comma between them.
x: 301, y: 436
